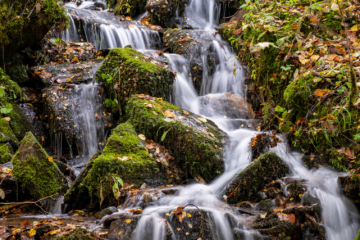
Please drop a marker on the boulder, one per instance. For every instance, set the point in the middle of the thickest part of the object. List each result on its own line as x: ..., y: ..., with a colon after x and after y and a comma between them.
x: 162, y: 11
x: 227, y: 105
x: 126, y: 71
x: 12, y: 89
x: 105, y: 211
x: 79, y: 233
x: 6, y: 153
x: 252, y: 179
x: 19, y: 122
x: 351, y: 187
x: 35, y: 171
x: 132, y: 8
x: 66, y: 73
x: 196, y: 143
x: 7, y: 135
x: 124, y: 157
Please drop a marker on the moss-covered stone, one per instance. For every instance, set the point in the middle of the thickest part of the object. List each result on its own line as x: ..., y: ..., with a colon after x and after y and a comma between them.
x: 124, y: 156
x: 21, y: 26
x: 7, y: 135
x: 195, y: 144
x: 132, y: 8
x: 126, y: 71
x: 12, y: 89
x: 33, y: 170
x: 162, y: 11
x: 6, y: 153
x: 253, y: 178
x: 18, y: 123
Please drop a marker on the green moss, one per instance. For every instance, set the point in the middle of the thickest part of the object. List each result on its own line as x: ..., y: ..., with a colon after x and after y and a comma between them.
x: 21, y: 26
x: 162, y: 11
x: 132, y: 8
x: 6, y: 153
x: 6, y: 134
x: 138, y: 166
x: 196, y: 148
x: 82, y: 234
x: 12, y: 89
x: 125, y: 71
x: 253, y: 178
x: 18, y: 73
x: 18, y: 122
x: 33, y: 170
x: 358, y: 236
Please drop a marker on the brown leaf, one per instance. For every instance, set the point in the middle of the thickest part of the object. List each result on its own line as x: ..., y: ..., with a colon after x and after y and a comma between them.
x: 237, y: 31
x: 331, y: 57
x: 45, y: 74
x: 169, y: 114
x: 96, y: 115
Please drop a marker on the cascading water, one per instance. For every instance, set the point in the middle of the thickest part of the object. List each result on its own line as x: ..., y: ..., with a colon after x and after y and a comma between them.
x: 103, y: 30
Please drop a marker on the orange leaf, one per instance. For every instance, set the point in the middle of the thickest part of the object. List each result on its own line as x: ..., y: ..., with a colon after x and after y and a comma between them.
x: 237, y: 31
x: 331, y: 57
x: 313, y: 19
x: 169, y: 114
x: 96, y: 115
x: 322, y: 92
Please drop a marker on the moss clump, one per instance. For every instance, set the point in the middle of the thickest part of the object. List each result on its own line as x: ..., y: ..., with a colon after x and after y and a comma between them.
x: 18, y: 122
x: 12, y: 89
x: 125, y: 71
x: 253, y: 178
x: 6, y: 153
x: 33, y: 170
x: 196, y: 145
x: 123, y: 157
x: 7, y: 135
x: 79, y: 233
x: 21, y: 26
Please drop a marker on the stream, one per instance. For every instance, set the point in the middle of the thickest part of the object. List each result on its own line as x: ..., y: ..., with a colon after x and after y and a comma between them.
x: 103, y: 30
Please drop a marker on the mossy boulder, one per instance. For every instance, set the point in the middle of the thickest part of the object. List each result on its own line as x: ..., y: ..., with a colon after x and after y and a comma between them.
x: 6, y: 153
x: 34, y: 171
x: 351, y: 187
x: 7, y: 135
x: 18, y: 122
x: 162, y: 11
x: 124, y: 156
x: 132, y: 8
x: 79, y: 233
x: 196, y: 143
x: 22, y: 26
x: 126, y: 71
x: 253, y: 178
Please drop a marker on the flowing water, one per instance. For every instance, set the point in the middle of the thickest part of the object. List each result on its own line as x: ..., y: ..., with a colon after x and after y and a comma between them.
x: 339, y: 215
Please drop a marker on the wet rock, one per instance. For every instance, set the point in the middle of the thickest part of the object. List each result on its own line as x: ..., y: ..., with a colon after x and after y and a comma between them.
x: 253, y: 178
x: 16, y: 69
x: 34, y: 171
x: 241, y: 234
x: 7, y: 135
x: 265, y: 205
x: 123, y: 228
x: 6, y: 153
x: 193, y: 45
x: 351, y: 187
x: 19, y: 122
x: 194, y: 141
x: 74, y: 112
x: 106, y: 211
x: 228, y: 105
x: 66, y: 73
x: 162, y: 11
x: 100, y: 5
x: 33, y: 118
x: 126, y: 71
x: 77, y: 196
x: 274, y: 226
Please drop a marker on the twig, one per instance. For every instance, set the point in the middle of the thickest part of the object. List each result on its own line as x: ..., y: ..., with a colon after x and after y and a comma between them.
x: 202, y: 224
x: 19, y: 203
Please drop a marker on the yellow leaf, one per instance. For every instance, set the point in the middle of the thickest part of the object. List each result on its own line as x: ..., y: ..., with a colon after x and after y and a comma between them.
x: 315, y: 57
x: 169, y: 114
x: 189, y: 215
x: 68, y: 79
x: 119, y: 233
x: 51, y: 159
x: 291, y: 199
x: 304, y: 61
x: 178, y: 229
x: 32, y: 232
x: 354, y: 28
x: 128, y: 220
x: 203, y: 120
x: 300, y: 195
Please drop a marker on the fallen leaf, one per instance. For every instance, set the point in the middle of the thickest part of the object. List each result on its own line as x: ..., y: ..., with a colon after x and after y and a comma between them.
x: 128, y: 220
x: 7, y: 118
x: 51, y: 159
x: 96, y: 115
x: 142, y: 137
x: 169, y: 114
x: 203, y: 120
